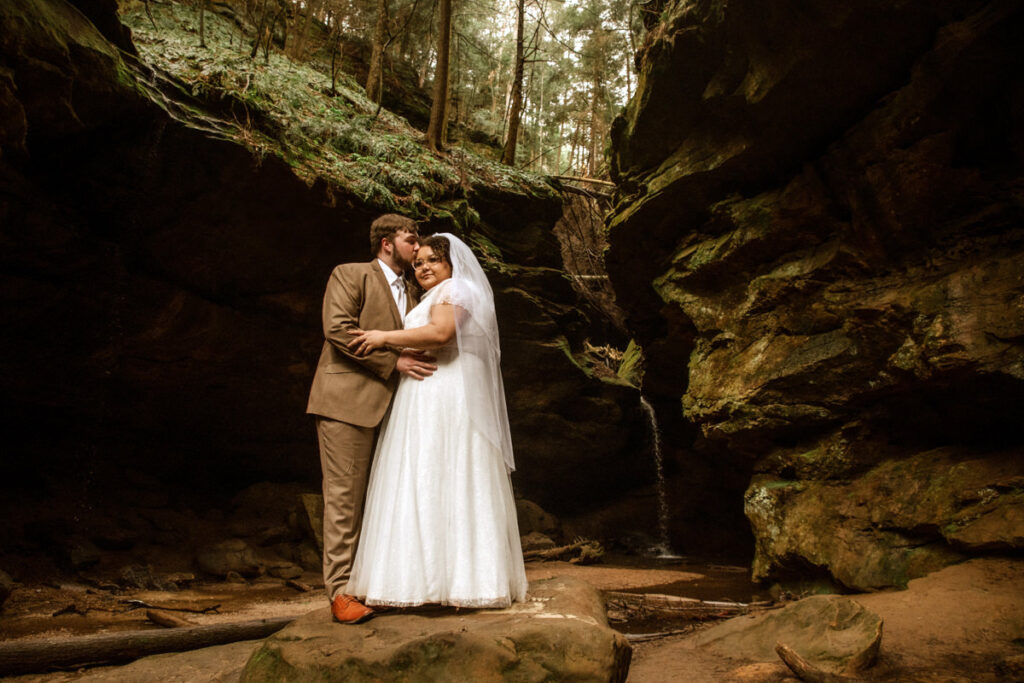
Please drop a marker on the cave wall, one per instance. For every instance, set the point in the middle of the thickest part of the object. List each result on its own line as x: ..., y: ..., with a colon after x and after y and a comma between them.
x: 818, y: 234
x: 161, y: 291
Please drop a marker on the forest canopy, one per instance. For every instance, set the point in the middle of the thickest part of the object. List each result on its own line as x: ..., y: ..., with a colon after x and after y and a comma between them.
x: 570, y: 60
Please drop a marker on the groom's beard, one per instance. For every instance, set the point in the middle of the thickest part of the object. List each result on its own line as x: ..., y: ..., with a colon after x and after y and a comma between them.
x: 401, y: 262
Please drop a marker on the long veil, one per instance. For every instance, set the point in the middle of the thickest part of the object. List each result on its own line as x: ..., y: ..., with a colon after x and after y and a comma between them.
x: 477, y: 334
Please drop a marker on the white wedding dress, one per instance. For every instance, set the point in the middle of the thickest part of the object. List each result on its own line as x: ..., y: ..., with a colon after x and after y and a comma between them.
x: 440, y: 519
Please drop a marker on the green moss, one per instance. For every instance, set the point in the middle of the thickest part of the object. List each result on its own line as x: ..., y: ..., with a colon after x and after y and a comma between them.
x: 563, y: 345
x: 287, y: 109
x: 486, y: 247
x: 267, y: 664
x: 631, y: 369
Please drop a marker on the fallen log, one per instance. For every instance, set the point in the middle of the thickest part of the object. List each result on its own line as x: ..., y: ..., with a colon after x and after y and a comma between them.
x: 581, y: 551
x: 167, y: 619
x: 806, y: 671
x: 644, y: 637
x: 659, y: 601
x: 43, y: 654
x: 71, y: 608
x: 136, y: 604
x: 298, y: 585
x: 679, y: 606
x: 577, y: 179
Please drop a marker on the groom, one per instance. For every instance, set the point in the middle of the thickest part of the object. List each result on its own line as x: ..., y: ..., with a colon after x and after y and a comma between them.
x: 351, y: 393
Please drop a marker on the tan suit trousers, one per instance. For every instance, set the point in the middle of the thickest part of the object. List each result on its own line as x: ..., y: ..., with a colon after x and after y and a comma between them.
x: 345, y: 454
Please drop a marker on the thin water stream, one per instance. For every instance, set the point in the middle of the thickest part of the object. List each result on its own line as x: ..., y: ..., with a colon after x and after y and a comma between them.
x: 663, y: 547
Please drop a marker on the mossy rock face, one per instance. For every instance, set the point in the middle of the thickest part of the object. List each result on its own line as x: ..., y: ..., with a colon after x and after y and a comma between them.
x: 834, y: 634
x: 560, y: 632
x: 898, y: 521
x: 835, y: 248
x: 62, y: 76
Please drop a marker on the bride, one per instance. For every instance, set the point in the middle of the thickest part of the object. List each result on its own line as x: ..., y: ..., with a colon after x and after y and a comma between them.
x: 440, y: 521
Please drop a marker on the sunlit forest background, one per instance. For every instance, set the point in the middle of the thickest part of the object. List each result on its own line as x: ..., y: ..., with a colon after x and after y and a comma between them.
x: 537, y: 81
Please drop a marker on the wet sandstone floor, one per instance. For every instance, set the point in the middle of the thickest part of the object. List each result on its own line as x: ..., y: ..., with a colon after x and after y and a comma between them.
x: 964, y: 623
x: 76, y: 607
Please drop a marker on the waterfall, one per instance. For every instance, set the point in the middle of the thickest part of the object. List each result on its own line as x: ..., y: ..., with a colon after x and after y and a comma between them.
x: 663, y: 548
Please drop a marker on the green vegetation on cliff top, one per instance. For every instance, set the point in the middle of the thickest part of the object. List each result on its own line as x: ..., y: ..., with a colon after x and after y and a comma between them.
x: 286, y: 109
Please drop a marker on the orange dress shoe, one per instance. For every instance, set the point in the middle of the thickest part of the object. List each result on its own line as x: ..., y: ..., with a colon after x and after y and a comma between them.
x: 348, y: 610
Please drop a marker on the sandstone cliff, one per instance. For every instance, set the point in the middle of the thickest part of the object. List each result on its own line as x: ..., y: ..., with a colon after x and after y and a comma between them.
x: 819, y: 237
x: 166, y: 244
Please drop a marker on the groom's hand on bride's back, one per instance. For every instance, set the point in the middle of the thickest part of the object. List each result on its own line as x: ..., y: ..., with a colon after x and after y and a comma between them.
x: 416, y: 364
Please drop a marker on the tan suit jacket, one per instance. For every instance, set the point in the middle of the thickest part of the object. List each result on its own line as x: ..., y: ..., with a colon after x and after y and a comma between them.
x: 346, y: 387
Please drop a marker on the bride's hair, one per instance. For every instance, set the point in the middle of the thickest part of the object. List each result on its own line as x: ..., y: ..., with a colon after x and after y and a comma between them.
x: 441, y: 246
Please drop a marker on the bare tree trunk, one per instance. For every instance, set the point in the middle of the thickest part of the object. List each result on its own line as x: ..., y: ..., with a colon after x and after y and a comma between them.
x: 376, y: 72
x: 403, y: 46
x: 423, y: 68
x: 384, y: 51
x: 558, y: 148
x: 336, y: 50
x: 202, y: 23
x: 526, y: 107
x: 259, y: 30
x: 629, y: 80
x: 282, y: 17
x: 455, y: 89
x: 504, y: 115
x: 437, y: 129
x: 27, y: 656
x: 580, y: 148
x: 426, y: 54
x: 149, y: 13
x: 493, y: 82
x: 630, y: 54
x: 539, y: 125
x: 592, y: 155
x: 571, y: 166
x: 508, y: 155
x: 300, y: 41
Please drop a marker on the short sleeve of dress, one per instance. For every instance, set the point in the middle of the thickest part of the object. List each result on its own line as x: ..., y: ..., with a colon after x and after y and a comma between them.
x: 451, y: 292
x: 443, y: 294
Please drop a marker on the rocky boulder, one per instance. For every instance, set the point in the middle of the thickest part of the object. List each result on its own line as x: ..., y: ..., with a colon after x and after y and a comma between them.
x: 853, y: 528
x: 560, y: 632
x: 233, y: 556
x: 532, y: 518
x: 834, y: 634
x: 820, y: 209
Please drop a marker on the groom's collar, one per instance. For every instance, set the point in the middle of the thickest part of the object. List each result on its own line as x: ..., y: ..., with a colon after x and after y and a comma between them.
x: 388, y: 273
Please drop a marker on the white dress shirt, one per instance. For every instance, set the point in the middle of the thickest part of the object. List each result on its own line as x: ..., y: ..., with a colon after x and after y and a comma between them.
x: 397, y: 283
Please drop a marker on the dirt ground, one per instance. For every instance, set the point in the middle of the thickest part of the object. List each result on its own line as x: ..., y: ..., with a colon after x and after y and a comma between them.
x: 965, y: 623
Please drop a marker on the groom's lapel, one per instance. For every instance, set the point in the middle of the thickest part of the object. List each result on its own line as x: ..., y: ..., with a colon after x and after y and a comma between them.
x: 382, y: 282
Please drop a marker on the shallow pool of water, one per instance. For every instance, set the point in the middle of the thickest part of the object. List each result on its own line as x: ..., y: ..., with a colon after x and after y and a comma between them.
x: 714, y: 581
